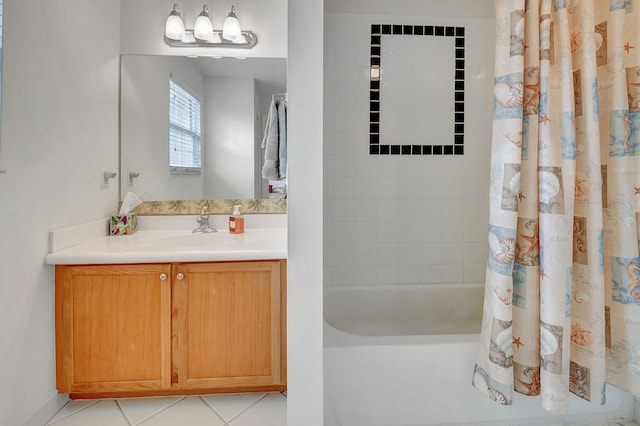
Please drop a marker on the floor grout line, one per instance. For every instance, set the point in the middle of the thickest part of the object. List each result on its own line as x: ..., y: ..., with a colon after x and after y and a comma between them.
x: 123, y: 413
x: 247, y: 409
x: 214, y: 410
x: 159, y: 411
x: 228, y: 422
x: 73, y: 412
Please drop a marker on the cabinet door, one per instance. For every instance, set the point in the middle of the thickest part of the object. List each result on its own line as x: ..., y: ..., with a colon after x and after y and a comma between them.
x: 113, y: 328
x: 227, y: 324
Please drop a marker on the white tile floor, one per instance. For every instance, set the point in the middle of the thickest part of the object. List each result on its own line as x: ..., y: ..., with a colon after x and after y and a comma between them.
x: 247, y: 409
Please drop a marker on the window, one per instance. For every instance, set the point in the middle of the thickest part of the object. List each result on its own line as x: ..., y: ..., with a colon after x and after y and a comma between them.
x: 184, y: 131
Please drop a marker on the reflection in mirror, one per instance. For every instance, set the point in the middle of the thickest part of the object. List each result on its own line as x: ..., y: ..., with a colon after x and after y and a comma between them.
x: 235, y: 97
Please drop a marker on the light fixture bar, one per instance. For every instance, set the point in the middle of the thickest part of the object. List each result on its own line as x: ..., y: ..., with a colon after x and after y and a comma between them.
x: 189, y: 40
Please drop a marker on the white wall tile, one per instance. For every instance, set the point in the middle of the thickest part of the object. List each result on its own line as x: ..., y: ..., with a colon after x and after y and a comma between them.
x: 452, y: 232
x: 367, y: 232
x: 432, y: 232
x: 431, y: 274
x: 404, y: 218
x: 452, y: 273
x: 344, y: 254
x: 474, y: 273
x: 344, y: 188
x: 344, y: 275
x: 432, y: 253
x: 453, y: 209
x: 367, y: 275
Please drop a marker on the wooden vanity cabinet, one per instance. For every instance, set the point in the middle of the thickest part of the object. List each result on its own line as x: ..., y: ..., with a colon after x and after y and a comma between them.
x: 162, y: 329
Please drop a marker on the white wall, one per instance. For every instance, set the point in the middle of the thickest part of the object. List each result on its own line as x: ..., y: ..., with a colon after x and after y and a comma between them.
x: 143, y: 26
x: 304, y: 288
x: 402, y: 218
x: 145, y: 128
x: 59, y: 129
x: 230, y: 137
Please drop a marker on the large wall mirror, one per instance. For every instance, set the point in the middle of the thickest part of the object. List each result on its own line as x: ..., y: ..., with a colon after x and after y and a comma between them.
x: 233, y: 97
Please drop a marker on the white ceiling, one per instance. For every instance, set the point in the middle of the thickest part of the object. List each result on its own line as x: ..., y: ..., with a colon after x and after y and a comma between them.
x: 270, y: 73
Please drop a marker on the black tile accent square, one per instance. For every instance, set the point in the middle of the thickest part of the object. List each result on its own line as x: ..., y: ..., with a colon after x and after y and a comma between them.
x: 457, y: 148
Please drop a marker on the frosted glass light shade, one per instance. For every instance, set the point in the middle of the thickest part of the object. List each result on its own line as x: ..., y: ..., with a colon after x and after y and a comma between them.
x: 231, y: 27
x: 203, y: 28
x: 174, y: 27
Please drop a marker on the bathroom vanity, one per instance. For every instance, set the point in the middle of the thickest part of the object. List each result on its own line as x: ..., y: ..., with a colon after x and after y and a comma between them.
x: 169, y: 312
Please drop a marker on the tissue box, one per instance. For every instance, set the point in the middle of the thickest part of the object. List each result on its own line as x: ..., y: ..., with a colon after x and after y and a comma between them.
x: 124, y: 224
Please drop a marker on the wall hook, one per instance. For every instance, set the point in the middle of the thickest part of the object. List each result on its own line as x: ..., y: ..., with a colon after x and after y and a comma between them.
x: 132, y: 176
x: 106, y: 175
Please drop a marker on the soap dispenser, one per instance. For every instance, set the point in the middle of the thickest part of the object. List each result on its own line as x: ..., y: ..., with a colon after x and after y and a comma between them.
x: 236, y: 222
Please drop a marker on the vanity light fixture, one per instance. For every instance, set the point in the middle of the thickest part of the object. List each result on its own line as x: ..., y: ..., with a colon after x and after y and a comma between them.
x: 174, y: 28
x: 204, y: 35
x: 203, y: 28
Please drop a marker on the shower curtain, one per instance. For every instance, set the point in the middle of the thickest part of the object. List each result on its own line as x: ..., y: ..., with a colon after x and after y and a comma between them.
x: 562, y: 293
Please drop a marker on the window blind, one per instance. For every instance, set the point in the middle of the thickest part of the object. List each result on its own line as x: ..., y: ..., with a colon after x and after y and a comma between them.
x: 184, y: 131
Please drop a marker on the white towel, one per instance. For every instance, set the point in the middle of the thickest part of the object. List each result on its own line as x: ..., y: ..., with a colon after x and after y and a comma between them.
x: 282, y: 139
x: 270, y: 145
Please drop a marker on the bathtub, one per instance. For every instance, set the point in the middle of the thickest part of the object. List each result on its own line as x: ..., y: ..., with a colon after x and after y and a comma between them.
x: 403, y: 354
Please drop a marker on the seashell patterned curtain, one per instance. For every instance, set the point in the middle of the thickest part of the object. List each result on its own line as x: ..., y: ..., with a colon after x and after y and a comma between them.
x: 562, y: 293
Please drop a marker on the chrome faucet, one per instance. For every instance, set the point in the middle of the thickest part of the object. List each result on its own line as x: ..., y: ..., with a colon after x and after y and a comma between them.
x: 203, y: 221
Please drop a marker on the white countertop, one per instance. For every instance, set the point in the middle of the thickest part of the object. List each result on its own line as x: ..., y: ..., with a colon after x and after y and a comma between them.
x: 174, y: 245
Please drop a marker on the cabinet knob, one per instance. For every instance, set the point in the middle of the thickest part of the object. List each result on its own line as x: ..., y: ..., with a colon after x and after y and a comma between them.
x: 180, y: 275
x: 163, y: 277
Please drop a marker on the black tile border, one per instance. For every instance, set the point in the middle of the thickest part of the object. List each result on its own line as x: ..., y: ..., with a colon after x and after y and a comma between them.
x: 458, y: 33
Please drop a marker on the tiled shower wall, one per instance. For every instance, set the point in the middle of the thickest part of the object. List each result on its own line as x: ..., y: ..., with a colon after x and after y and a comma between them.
x: 404, y: 218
